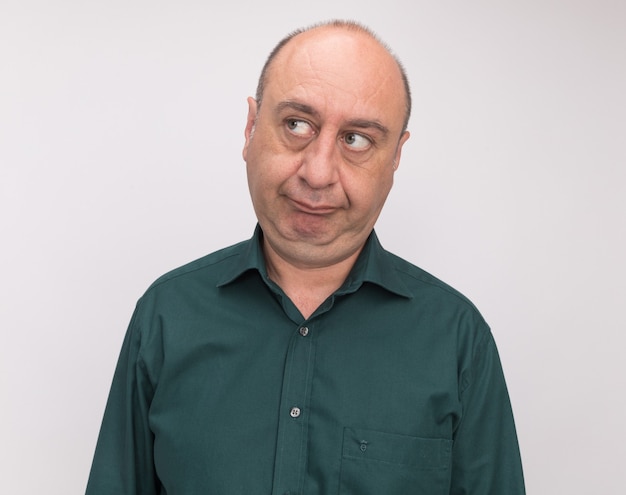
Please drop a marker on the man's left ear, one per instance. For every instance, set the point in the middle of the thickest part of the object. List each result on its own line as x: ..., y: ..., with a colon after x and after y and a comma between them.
x: 396, y: 161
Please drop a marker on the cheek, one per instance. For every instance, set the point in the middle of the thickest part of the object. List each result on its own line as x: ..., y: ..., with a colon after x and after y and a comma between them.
x: 368, y: 193
x: 267, y: 172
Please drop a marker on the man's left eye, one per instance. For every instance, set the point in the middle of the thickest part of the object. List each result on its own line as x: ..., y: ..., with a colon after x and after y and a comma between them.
x: 356, y: 141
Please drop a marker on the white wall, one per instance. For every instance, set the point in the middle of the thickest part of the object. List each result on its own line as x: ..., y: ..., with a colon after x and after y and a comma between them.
x: 121, y: 125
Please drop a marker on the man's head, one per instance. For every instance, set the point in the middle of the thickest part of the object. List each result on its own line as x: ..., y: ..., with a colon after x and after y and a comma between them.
x: 349, y: 25
x: 323, y: 139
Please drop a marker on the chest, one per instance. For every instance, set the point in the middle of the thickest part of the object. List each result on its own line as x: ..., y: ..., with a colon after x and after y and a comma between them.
x: 292, y: 406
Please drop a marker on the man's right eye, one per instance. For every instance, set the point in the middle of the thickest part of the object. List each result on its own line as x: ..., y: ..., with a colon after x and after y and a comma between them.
x: 300, y: 128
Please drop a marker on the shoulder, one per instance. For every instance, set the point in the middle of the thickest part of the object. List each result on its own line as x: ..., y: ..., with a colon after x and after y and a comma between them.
x: 445, y: 311
x: 422, y: 284
x: 207, y: 270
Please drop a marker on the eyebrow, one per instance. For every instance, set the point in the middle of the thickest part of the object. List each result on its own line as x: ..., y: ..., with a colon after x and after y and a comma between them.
x: 309, y: 110
x: 368, y: 124
x: 294, y: 105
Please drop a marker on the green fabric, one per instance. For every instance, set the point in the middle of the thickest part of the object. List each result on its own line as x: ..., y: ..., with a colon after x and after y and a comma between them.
x: 397, y: 382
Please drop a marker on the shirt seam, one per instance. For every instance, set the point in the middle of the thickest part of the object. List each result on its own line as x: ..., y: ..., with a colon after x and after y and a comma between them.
x: 483, y: 343
x: 443, y: 287
x: 173, y: 276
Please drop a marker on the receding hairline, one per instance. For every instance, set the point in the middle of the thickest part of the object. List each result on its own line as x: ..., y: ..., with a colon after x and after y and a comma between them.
x: 341, y: 24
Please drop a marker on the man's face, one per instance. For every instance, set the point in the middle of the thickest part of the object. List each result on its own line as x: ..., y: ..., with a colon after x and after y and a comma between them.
x: 322, y: 149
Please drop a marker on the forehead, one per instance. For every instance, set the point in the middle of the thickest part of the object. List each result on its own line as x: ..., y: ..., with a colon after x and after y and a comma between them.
x: 337, y: 70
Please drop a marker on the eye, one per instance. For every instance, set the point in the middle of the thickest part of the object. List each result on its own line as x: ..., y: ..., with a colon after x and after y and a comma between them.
x: 300, y: 127
x: 356, y: 141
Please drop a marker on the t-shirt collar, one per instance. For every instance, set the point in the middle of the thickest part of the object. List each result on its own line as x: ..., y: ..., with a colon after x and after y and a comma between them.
x: 374, y: 265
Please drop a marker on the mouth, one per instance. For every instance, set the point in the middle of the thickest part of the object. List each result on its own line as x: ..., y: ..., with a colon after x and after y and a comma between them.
x: 312, y: 209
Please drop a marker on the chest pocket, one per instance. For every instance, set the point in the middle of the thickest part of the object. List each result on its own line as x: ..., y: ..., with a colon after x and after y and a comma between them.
x: 376, y: 463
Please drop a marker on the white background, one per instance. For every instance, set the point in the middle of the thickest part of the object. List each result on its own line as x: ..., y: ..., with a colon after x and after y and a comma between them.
x: 121, y: 127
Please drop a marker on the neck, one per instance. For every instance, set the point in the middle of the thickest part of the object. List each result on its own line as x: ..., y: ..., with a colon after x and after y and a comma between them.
x: 307, y: 286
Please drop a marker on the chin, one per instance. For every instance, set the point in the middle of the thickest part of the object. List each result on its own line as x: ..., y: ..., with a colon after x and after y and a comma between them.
x: 316, y: 230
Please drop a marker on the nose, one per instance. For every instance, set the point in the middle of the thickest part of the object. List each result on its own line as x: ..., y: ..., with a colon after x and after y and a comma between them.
x: 320, y: 162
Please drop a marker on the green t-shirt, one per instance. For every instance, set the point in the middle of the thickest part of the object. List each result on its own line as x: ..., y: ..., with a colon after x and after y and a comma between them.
x: 393, y: 386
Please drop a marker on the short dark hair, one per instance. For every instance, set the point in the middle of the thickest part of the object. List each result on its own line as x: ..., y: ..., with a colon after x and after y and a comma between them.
x: 351, y: 26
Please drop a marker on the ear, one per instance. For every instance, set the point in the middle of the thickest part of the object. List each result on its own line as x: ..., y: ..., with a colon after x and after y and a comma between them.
x: 406, y: 135
x: 250, y: 123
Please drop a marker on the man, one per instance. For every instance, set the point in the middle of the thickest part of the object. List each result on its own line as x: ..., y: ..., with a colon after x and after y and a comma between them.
x: 308, y: 360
